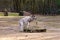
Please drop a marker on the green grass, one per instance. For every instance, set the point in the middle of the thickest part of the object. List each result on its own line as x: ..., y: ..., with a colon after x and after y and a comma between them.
x: 1, y: 14
x: 13, y: 14
x: 9, y: 14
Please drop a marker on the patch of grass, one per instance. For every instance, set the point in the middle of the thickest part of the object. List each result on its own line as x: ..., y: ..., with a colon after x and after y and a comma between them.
x: 9, y: 14
x: 1, y: 14
x: 13, y: 14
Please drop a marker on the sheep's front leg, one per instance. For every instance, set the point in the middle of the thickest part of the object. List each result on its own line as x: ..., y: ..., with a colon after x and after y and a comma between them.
x: 28, y: 24
x: 21, y: 27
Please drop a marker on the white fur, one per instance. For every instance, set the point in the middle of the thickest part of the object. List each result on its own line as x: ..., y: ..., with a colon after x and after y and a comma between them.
x: 23, y: 21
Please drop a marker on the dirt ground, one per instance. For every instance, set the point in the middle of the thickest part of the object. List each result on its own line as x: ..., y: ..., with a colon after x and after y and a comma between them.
x: 9, y: 28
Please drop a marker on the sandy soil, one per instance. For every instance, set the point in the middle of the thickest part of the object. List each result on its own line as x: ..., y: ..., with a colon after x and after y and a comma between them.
x: 31, y: 36
x: 9, y: 29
